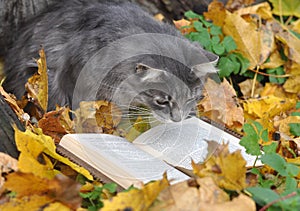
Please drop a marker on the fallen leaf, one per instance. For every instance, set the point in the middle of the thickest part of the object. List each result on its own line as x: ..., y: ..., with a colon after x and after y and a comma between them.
x: 268, y: 107
x: 11, y: 100
x: 277, y: 91
x: 216, y: 12
x: 108, y: 116
x: 37, y: 85
x: 8, y: 164
x: 98, y: 117
x: 182, y: 25
x: 56, y: 123
x: 232, y: 5
x: 137, y: 199
x: 33, y: 148
x: 262, y: 10
x: 220, y: 104
x: 200, y: 194
x: 245, y: 34
x: 291, y: 42
x: 59, y: 189
x: 246, y: 87
x: 286, y: 7
x: 219, y: 167
x: 283, y: 124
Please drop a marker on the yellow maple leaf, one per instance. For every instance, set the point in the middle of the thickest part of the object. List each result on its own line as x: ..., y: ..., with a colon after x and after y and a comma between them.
x: 37, y: 85
x: 263, y: 10
x: 247, y: 38
x: 137, y: 199
x: 268, y: 107
x: 32, y: 159
x: 219, y: 167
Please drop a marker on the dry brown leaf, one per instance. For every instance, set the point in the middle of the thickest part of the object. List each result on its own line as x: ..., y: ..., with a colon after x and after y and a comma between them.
x: 97, y: 116
x: 219, y: 167
x: 181, y: 25
x: 216, y: 12
x: 7, y: 165
x: 11, y: 100
x: 283, y: 124
x: 232, y: 5
x: 56, y: 123
x: 59, y: 189
x: 262, y: 10
x: 246, y: 87
x: 201, y: 194
x: 220, y: 104
x: 108, y: 116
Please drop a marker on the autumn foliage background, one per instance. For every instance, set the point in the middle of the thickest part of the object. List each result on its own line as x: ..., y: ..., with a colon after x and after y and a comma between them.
x: 259, y: 50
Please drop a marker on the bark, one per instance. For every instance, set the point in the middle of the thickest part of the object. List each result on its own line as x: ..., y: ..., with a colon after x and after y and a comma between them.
x: 7, y: 119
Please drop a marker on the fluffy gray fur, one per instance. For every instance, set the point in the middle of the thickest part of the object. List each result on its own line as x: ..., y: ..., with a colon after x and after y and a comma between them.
x: 72, y: 32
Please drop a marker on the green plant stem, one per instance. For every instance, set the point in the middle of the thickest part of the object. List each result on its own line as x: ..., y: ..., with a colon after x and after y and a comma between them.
x: 277, y: 200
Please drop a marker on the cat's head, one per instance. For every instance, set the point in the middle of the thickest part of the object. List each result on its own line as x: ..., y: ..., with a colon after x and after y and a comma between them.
x: 169, y: 89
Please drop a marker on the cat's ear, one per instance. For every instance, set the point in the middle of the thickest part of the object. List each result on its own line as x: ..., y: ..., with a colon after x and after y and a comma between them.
x: 147, y: 73
x: 208, y: 68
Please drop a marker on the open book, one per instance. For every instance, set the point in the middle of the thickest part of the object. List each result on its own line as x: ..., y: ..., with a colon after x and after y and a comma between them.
x: 154, y: 152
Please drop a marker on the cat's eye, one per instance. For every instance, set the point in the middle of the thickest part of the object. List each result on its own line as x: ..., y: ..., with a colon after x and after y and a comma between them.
x: 162, y: 101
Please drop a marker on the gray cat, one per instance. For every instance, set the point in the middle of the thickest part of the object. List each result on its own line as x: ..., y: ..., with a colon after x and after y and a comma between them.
x: 112, y: 51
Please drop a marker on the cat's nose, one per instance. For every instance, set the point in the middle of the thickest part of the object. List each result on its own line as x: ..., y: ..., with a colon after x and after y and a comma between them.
x: 176, y: 115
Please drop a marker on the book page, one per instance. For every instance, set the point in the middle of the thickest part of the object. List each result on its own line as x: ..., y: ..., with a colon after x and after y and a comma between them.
x: 179, y: 143
x: 120, y: 160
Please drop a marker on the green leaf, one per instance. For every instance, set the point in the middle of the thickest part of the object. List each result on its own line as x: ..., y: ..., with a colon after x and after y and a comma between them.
x: 111, y: 187
x: 290, y: 185
x: 298, y: 105
x: 229, y: 43
x: 271, y: 148
x: 292, y: 169
x: 192, y: 15
x: 199, y: 26
x: 295, y: 129
x: 218, y: 49
x: 258, y: 127
x: 204, y: 38
x: 251, y: 144
x: 243, y: 61
x: 265, y: 135
x: 236, y: 65
x: 262, y: 196
x: 225, y: 66
x: 276, y: 162
x: 215, y: 30
x: 295, y: 113
x: 215, y: 39
x: 276, y: 71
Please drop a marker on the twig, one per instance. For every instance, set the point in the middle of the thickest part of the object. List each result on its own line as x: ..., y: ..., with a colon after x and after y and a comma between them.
x: 271, y: 75
x: 253, y: 83
x: 277, y: 200
x: 288, y: 20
